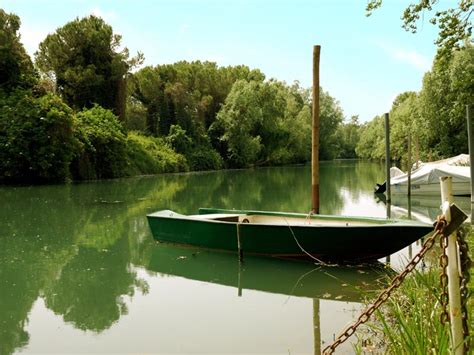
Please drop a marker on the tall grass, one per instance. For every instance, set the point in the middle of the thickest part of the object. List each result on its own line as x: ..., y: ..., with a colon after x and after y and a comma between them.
x: 409, y: 322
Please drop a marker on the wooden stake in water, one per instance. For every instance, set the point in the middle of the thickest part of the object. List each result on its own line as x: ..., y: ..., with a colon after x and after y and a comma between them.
x: 316, y: 327
x: 409, y: 165
x: 315, y: 133
x: 387, y: 156
x: 417, y: 152
x: 455, y: 314
x: 470, y: 138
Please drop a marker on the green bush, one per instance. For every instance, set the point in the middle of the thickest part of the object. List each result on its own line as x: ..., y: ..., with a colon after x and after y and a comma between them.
x: 102, y: 153
x: 179, y: 140
x: 36, y: 138
x: 149, y: 155
x: 199, y: 152
x: 205, y: 158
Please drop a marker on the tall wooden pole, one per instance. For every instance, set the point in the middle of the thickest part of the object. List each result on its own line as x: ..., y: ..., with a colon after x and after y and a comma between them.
x: 387, y: 157
x: 316, y: 327
x: 417, y: 152
x: 409, y: 165
x: 315, y: 133
x: 470, y: 138
x: 455, y: 315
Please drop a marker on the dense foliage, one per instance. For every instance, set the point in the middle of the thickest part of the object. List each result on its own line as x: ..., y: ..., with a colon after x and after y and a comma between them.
x: 102, y: 152
x: 16, y: 68
x: 229, y: 116
x: 256, y: 124
x: 347, y: 137
x: 185, y: 94
x: 36, y: 138
x: 149, y: 155
x: 84, y: 60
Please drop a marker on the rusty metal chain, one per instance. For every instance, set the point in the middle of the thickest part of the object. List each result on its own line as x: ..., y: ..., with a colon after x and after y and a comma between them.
x: 443, y: 279
x: 465, y: 261
x: 396, y: 282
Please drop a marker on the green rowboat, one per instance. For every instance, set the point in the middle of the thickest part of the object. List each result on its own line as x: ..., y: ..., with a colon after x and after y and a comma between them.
x: 288, y: 235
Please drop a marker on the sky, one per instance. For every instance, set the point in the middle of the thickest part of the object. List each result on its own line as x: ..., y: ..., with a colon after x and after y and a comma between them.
x: 365, y: 61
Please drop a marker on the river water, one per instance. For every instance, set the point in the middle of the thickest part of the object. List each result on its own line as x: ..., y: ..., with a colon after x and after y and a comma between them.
x: 80, y: 272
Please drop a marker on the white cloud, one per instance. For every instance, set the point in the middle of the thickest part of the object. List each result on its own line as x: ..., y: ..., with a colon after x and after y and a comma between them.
x: 408, y: 56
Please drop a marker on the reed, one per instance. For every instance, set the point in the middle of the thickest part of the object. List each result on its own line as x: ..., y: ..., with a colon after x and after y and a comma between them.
x: 409, y: 322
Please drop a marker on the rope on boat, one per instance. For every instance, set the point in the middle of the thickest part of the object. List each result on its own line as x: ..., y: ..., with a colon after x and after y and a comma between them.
x: 302, y: 249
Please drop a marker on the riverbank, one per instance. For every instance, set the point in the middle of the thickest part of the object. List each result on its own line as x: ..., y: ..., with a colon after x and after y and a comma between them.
x: 409, y: 322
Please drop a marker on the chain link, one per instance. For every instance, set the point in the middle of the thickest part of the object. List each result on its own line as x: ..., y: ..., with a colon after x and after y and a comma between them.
x: 443, y: 279
x: 396, y: 282
x: 464, y: 282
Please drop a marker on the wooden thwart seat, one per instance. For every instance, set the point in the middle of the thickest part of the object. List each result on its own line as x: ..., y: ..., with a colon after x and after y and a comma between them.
x: 225, y: 217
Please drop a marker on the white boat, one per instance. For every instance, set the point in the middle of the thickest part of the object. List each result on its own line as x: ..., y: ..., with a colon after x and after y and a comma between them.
x: 425, y: 179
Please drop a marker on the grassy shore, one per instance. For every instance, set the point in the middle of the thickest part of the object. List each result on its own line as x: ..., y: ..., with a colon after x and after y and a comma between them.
x: 409, y: 322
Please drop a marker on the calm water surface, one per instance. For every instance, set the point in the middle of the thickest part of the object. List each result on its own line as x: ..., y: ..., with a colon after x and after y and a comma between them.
x: 80, y: 273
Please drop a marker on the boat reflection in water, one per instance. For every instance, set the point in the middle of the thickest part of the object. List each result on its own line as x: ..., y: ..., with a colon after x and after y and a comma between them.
x: 422, y: 208
x: 276, y: 276
x: 300, y: 279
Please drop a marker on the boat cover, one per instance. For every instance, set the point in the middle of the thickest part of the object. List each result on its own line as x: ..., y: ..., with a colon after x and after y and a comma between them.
x: 428, y: 173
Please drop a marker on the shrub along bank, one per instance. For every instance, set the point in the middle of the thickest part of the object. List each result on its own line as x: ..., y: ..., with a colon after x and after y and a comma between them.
x: 43, y: 140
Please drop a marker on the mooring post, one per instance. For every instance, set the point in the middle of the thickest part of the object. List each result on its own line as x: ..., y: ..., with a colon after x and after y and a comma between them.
x: 315, y: 133
x: 239, y: 245
x: 470, y: 138
x: 239, y: 279
x: 316, y: 327
x: 387, y: 156
x: 409, y: 165
x: 417, y: 152
x: 455, y: 314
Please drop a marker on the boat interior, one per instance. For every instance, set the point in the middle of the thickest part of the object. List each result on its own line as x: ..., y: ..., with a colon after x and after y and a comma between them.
x: 275, y: 220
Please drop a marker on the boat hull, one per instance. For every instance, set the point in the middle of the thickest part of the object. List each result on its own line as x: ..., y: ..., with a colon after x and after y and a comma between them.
x: 348, y: 239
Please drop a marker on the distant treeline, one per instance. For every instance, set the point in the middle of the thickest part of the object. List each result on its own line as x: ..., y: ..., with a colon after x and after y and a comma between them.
x: 435, y: 117
x: 78, y: 111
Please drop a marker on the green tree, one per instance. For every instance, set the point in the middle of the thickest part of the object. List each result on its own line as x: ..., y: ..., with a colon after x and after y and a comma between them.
x: 348, y: 135
x: 185, y: 93
x: 331, y: 116
x: 371, y: 144
x: 251, y: 119
x: 36, y: 138
x: 447, y: 88
x: 270, y: 123
x: 404, y: 120
x: 16, y: 68
x: 84, y: 60
x: 102, y: 153
x: 454, y: 23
